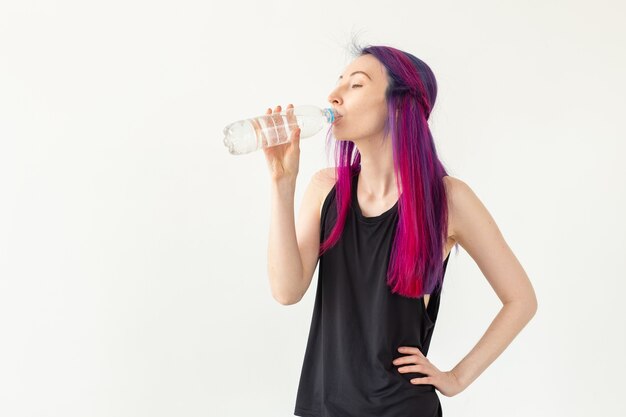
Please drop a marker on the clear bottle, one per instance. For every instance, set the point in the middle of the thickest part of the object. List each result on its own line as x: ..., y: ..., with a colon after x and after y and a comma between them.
x: 244, y: 136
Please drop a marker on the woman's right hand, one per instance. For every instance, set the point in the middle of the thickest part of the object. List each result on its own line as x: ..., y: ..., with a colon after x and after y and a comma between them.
x: 283, y: 160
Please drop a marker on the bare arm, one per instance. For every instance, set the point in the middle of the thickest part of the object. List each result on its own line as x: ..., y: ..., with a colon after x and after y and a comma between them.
x: 294, y: 250
x: 284, y: 261
x: 477, y: 232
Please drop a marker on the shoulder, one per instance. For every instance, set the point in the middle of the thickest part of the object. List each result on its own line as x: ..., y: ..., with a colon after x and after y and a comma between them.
x: 324, y: 181
x: 452, y: 184
x: 459, y: 192
x: 463, y: 205
x: 326, y: 177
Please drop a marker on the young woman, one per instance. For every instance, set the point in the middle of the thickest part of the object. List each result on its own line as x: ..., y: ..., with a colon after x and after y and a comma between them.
x: 382, y: 223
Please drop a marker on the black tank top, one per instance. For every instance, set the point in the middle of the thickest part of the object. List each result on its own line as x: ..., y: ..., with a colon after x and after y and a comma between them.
x: 358, y: 324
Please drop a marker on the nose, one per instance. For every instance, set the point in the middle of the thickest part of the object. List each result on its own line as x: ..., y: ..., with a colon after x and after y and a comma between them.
x: 334, y: 98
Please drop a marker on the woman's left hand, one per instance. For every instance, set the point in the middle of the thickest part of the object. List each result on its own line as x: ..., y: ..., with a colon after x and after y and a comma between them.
x: 446, y: 382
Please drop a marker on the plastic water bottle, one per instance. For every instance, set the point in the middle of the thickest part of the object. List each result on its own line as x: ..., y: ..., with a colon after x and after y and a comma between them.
x: 244, y: 136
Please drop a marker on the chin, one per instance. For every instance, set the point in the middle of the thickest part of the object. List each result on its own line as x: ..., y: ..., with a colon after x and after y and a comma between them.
x: 339, y: 136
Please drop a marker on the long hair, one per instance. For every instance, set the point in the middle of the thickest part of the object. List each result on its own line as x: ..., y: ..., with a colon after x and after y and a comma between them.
x: 416, y: 264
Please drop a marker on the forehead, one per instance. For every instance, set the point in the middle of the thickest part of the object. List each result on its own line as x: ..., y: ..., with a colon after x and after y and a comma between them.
x: 369, y: 64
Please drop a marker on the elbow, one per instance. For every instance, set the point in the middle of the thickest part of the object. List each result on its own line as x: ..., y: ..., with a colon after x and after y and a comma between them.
x: 530, y: 307
x: 535, y: 305
x: 526, y: 307
x: 286, y: 301
x: 532, y: 304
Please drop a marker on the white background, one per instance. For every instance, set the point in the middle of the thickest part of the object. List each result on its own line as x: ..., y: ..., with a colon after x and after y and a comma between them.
x: 133, y: 246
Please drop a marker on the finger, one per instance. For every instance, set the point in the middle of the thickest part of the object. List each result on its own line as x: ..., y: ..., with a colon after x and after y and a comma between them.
x: 410, y: 360
x: 413, y: 369
x: 403, y: 360
x: 270, y: 122
x: 292, y: 122
x: 420, y: 381
x: 280, y: 126
x: 410, y: 350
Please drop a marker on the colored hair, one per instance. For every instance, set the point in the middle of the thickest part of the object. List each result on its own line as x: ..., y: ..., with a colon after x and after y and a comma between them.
x: 416, y: 264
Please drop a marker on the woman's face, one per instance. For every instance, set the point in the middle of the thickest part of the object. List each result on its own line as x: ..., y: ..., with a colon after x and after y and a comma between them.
x: 360, y: 99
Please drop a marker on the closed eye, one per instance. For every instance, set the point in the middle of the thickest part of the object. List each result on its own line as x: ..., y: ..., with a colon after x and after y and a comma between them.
x: 357, y: 85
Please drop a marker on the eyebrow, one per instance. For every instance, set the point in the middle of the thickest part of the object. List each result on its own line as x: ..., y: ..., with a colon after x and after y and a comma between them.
x: 355, y: 72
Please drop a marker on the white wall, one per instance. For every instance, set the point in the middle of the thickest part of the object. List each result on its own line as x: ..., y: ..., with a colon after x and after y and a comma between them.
x: 133, y: 246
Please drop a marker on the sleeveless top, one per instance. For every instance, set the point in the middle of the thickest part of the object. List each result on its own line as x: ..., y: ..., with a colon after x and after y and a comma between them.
x: 358, y: 325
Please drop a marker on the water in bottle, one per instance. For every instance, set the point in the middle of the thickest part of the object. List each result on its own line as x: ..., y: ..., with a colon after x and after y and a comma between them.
x: 249, y: 135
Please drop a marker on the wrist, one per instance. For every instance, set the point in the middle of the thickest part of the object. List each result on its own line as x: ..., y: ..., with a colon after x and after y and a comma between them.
x: 284, y: 183
x: 458, y: 378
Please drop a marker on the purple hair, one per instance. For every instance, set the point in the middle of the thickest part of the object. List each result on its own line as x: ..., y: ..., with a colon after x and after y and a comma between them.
x: 416, y: 264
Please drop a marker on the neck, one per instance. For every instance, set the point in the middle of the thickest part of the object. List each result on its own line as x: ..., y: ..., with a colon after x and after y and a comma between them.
x: 377, y: 178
